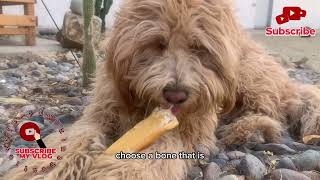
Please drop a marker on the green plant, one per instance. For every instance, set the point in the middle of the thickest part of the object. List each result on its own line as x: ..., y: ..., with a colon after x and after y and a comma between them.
x: 89, y: 58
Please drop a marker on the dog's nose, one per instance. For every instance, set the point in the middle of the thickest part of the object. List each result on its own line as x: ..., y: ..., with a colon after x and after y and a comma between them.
x: 175, y: 96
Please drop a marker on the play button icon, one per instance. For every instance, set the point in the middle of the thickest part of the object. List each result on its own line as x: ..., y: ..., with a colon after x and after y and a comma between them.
x: 291, y: 12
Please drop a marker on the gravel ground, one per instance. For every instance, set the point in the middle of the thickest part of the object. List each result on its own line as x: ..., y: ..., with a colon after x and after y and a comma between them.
x: 53, y: 82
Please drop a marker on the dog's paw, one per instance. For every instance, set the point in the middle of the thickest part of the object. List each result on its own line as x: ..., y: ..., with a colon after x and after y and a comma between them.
x: 232, y: 135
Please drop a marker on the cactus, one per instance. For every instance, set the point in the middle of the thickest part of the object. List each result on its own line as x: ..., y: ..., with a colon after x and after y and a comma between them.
x: 104, y: 11
x: 89, y: 58
x: 98, y: 7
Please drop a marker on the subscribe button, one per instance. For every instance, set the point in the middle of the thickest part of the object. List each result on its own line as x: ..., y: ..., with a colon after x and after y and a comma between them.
x: 27, y: 131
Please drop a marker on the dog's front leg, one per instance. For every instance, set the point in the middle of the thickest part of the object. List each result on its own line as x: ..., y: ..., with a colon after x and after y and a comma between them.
x: 108, y: 167
x: 250, y: 128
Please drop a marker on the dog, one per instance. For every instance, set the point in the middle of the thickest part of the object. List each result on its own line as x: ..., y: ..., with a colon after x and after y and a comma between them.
x: 192, y: 55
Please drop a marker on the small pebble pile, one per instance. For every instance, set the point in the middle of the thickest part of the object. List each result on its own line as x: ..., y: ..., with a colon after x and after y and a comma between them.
x: 53, y: 82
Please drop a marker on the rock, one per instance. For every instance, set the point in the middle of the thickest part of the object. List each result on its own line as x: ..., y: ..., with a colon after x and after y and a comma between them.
x: 278, y: 149
x: 37, y: 90
x: 66, y: 119
x: 64, y: 64
x: 286, y: 174
x: 64, y: 68
x: 14, y: 74
x: 204, y: 150
x: 12, y: 65
x: 72, y: 29
x: 75, y: 114
x: 313, y: 175
x: 235, y: 155
x: 3, y: 113
x: 23, y: 89
x: 52, y: 72
x: 302, y: 147
x: 28, y: 108
x: 62, y: 78
x: 76, y: 7
x: 86, y: 100
x: 6, y: 91
x: 74, y: 101
x: 308, y: 160
x: 235, y: 163
x: 52, y: 111
x: 286, y: 163
x: 252, y: 167
x: 3, y: 66
x: 211, y: 172
x: 195, y: 173
x: 229, y: 177
x: 6, y: 164
x: 223, y: 156
x: 36, y: 73
x: 51, y: 64
x: 74, y: 93
x: 220, y: 162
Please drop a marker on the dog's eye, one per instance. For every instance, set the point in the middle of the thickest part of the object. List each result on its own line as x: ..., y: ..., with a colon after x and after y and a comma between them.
x: 162, y: 45
x: 199, y: 50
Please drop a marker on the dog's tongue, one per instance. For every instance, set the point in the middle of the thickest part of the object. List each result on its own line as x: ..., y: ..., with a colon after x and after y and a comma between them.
x: 174, y: 108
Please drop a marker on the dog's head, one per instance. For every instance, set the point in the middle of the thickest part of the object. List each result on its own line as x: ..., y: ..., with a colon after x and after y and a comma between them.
x: 175, y: 52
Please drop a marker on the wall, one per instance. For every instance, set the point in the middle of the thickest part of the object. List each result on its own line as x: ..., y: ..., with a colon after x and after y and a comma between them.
x: 251, y: 13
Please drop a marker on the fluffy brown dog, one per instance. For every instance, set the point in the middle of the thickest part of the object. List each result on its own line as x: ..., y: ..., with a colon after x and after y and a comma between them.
x: 194, y: 55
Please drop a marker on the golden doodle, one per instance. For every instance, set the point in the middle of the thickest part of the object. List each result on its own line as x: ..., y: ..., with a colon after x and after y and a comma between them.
x: 192, y: 55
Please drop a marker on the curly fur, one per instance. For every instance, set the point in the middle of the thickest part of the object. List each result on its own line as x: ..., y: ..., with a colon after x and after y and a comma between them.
x: 195, y: 45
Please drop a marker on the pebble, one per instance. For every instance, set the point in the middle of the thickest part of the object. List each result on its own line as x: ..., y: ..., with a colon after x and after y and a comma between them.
x: 51, y: 64
x: 14, y: 74
x: 86, y: 100
x: 252, y: 167
x: 66, y: 119
x: 3, y: 112
x: 12, y: 65
x: 67, y: 65
x: 74, y: 93
x: 211, y: 172
x: 308, y: 160
x: 220, y: 162
x: 73, y: 101
x: 223, y: 156
x: 36, y: 73
x: 52, y: 72
x: 6, y: 91
x: 286, y: 174
x: 230, y: 177
x: 62, y: 78
x: 278, y: 149
x: 195, y: 173
x: 286, y: 163
x: 313, y: 175
x: 63, y: 68
x: 24, y: 89
x: 28, y: 108
x: 3, y: 66
x: 302, y: 147
x: 235, y: 155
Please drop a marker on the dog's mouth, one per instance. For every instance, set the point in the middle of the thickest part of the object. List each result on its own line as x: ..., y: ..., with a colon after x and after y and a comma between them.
x: 175, y: 108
